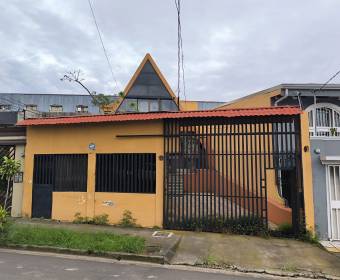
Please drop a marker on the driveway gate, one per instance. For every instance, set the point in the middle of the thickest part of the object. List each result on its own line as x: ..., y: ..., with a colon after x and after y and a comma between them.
x: 216, y: 170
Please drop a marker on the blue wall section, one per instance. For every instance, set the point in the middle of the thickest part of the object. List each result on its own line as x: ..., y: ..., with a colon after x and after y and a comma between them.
x: 328, y: 148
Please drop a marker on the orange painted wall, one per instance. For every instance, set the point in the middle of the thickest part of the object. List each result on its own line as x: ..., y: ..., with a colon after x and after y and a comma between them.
x: 148, y: 209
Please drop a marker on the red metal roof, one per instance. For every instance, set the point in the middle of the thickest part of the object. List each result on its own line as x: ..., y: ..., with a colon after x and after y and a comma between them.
x: 228, y: 113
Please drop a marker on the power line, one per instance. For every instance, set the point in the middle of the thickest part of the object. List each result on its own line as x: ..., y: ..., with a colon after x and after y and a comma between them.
x: 324, y: 85
x: 180, y: 53
x: 328, y: 81
x: 103, y: 46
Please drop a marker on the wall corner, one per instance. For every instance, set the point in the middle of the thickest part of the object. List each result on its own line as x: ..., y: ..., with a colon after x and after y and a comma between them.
x: 307, y: 173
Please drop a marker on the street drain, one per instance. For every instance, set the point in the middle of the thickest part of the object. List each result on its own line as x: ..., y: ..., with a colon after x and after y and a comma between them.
x: 162, y: 234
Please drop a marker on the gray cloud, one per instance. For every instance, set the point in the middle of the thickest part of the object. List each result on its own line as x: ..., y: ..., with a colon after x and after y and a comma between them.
x: 231, y: 47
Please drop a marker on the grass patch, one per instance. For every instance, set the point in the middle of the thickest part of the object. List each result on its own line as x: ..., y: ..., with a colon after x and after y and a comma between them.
x: 65, y: 238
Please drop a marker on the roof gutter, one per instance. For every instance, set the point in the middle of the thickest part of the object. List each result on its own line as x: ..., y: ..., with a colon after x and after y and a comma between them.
x: 281, y: 98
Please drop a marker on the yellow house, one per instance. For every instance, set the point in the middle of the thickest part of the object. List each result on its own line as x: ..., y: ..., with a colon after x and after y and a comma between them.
x: 169, y: 167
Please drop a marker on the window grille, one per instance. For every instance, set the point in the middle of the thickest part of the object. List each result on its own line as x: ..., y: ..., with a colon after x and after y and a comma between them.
x: 324, y: 121
x: 126, y: 173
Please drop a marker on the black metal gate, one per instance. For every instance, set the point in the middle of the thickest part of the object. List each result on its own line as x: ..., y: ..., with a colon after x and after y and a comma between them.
x: 8, y: 151
x: 216, y: 170
x: 56, y: 173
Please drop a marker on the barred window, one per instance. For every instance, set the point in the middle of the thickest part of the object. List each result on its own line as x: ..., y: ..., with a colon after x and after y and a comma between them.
x: 126, y: 173
x: 65, y: 172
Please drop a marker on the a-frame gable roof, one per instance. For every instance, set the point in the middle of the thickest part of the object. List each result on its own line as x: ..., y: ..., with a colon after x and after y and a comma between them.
x: 148, y: 74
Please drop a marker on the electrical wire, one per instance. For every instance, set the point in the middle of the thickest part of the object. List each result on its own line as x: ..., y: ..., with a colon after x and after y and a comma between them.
x: 180, y: 53
x: 324, y: 85
x: 328, y: 81
x: 103, y: 46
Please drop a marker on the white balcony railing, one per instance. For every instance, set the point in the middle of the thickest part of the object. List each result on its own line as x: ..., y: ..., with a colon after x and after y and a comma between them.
x: 324, y: 121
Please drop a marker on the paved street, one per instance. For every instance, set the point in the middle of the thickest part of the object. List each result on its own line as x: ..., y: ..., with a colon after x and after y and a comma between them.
x: 29, y: 265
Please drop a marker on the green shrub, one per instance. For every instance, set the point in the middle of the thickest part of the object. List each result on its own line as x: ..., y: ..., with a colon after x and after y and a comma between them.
x: 101, y: 219
x: 127, y: 219
x: 78, y: 219
x: 285, y: 229
x: 243, y: 225
x: 4, y: 224
x: 96, y: 220
x: 308, y: 236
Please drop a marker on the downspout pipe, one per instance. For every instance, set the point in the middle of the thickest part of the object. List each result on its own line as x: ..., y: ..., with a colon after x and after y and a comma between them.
x: 282, y: 97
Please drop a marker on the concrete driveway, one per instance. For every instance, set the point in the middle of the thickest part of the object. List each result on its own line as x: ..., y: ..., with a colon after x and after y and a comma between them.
x: 255, y: 253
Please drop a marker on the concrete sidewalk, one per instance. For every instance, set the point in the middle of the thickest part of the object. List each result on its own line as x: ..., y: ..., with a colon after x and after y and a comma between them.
x: 254, y: 253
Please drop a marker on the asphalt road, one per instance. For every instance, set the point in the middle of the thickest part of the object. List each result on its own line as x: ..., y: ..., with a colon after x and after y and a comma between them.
x: 22, y: 265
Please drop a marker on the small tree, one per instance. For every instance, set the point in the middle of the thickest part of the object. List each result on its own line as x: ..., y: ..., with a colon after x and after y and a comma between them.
x: 8, y: 168
x: 100, y: 100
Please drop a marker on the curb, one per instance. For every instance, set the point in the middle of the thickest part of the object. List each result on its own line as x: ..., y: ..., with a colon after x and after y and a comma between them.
x: 162, y: 260
x: 112, y: 255
x: 273, y: 272
x: 171, y: 251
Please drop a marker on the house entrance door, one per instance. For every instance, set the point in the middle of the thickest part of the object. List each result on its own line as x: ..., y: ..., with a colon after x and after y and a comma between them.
x: 333, y: 182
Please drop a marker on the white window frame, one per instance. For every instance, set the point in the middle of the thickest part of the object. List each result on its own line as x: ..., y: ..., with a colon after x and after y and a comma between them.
x: 31, y: 107
x: 56, y: 106
x: 328, y: 162
x: 82, y: 109
x: 314, y: 130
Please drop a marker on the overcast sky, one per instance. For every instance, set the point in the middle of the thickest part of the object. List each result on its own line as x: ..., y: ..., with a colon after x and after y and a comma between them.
x: 231, y: 48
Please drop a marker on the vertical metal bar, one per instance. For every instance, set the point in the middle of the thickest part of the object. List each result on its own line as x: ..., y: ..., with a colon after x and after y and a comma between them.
x: 188, y: 155
x: 233, y: 160
x: 261, y: 169
x: 201, y: 166
x: 216, y: 162
x: 219, y: 170
x: 286, y: 146
x: 265, y: 174
x: 121, y: 173
x: 194, y: 168
x: 104, y: 172
x: 252, y: 170
x: 165, y: 174
x: 178, y: 175
x: 205, y: 170
x: 192, y: 160
x: 257, y: 175
x: 212, y: 171
x: 171, y: 188
x: 238, y: 191
x: 174, y: 186
x: 248, y: 171
x: 224, y: 164
x: 208, y: 177
x: 243, y: 190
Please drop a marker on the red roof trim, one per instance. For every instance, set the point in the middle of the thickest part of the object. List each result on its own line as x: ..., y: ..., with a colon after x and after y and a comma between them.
x: 228, y: 113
